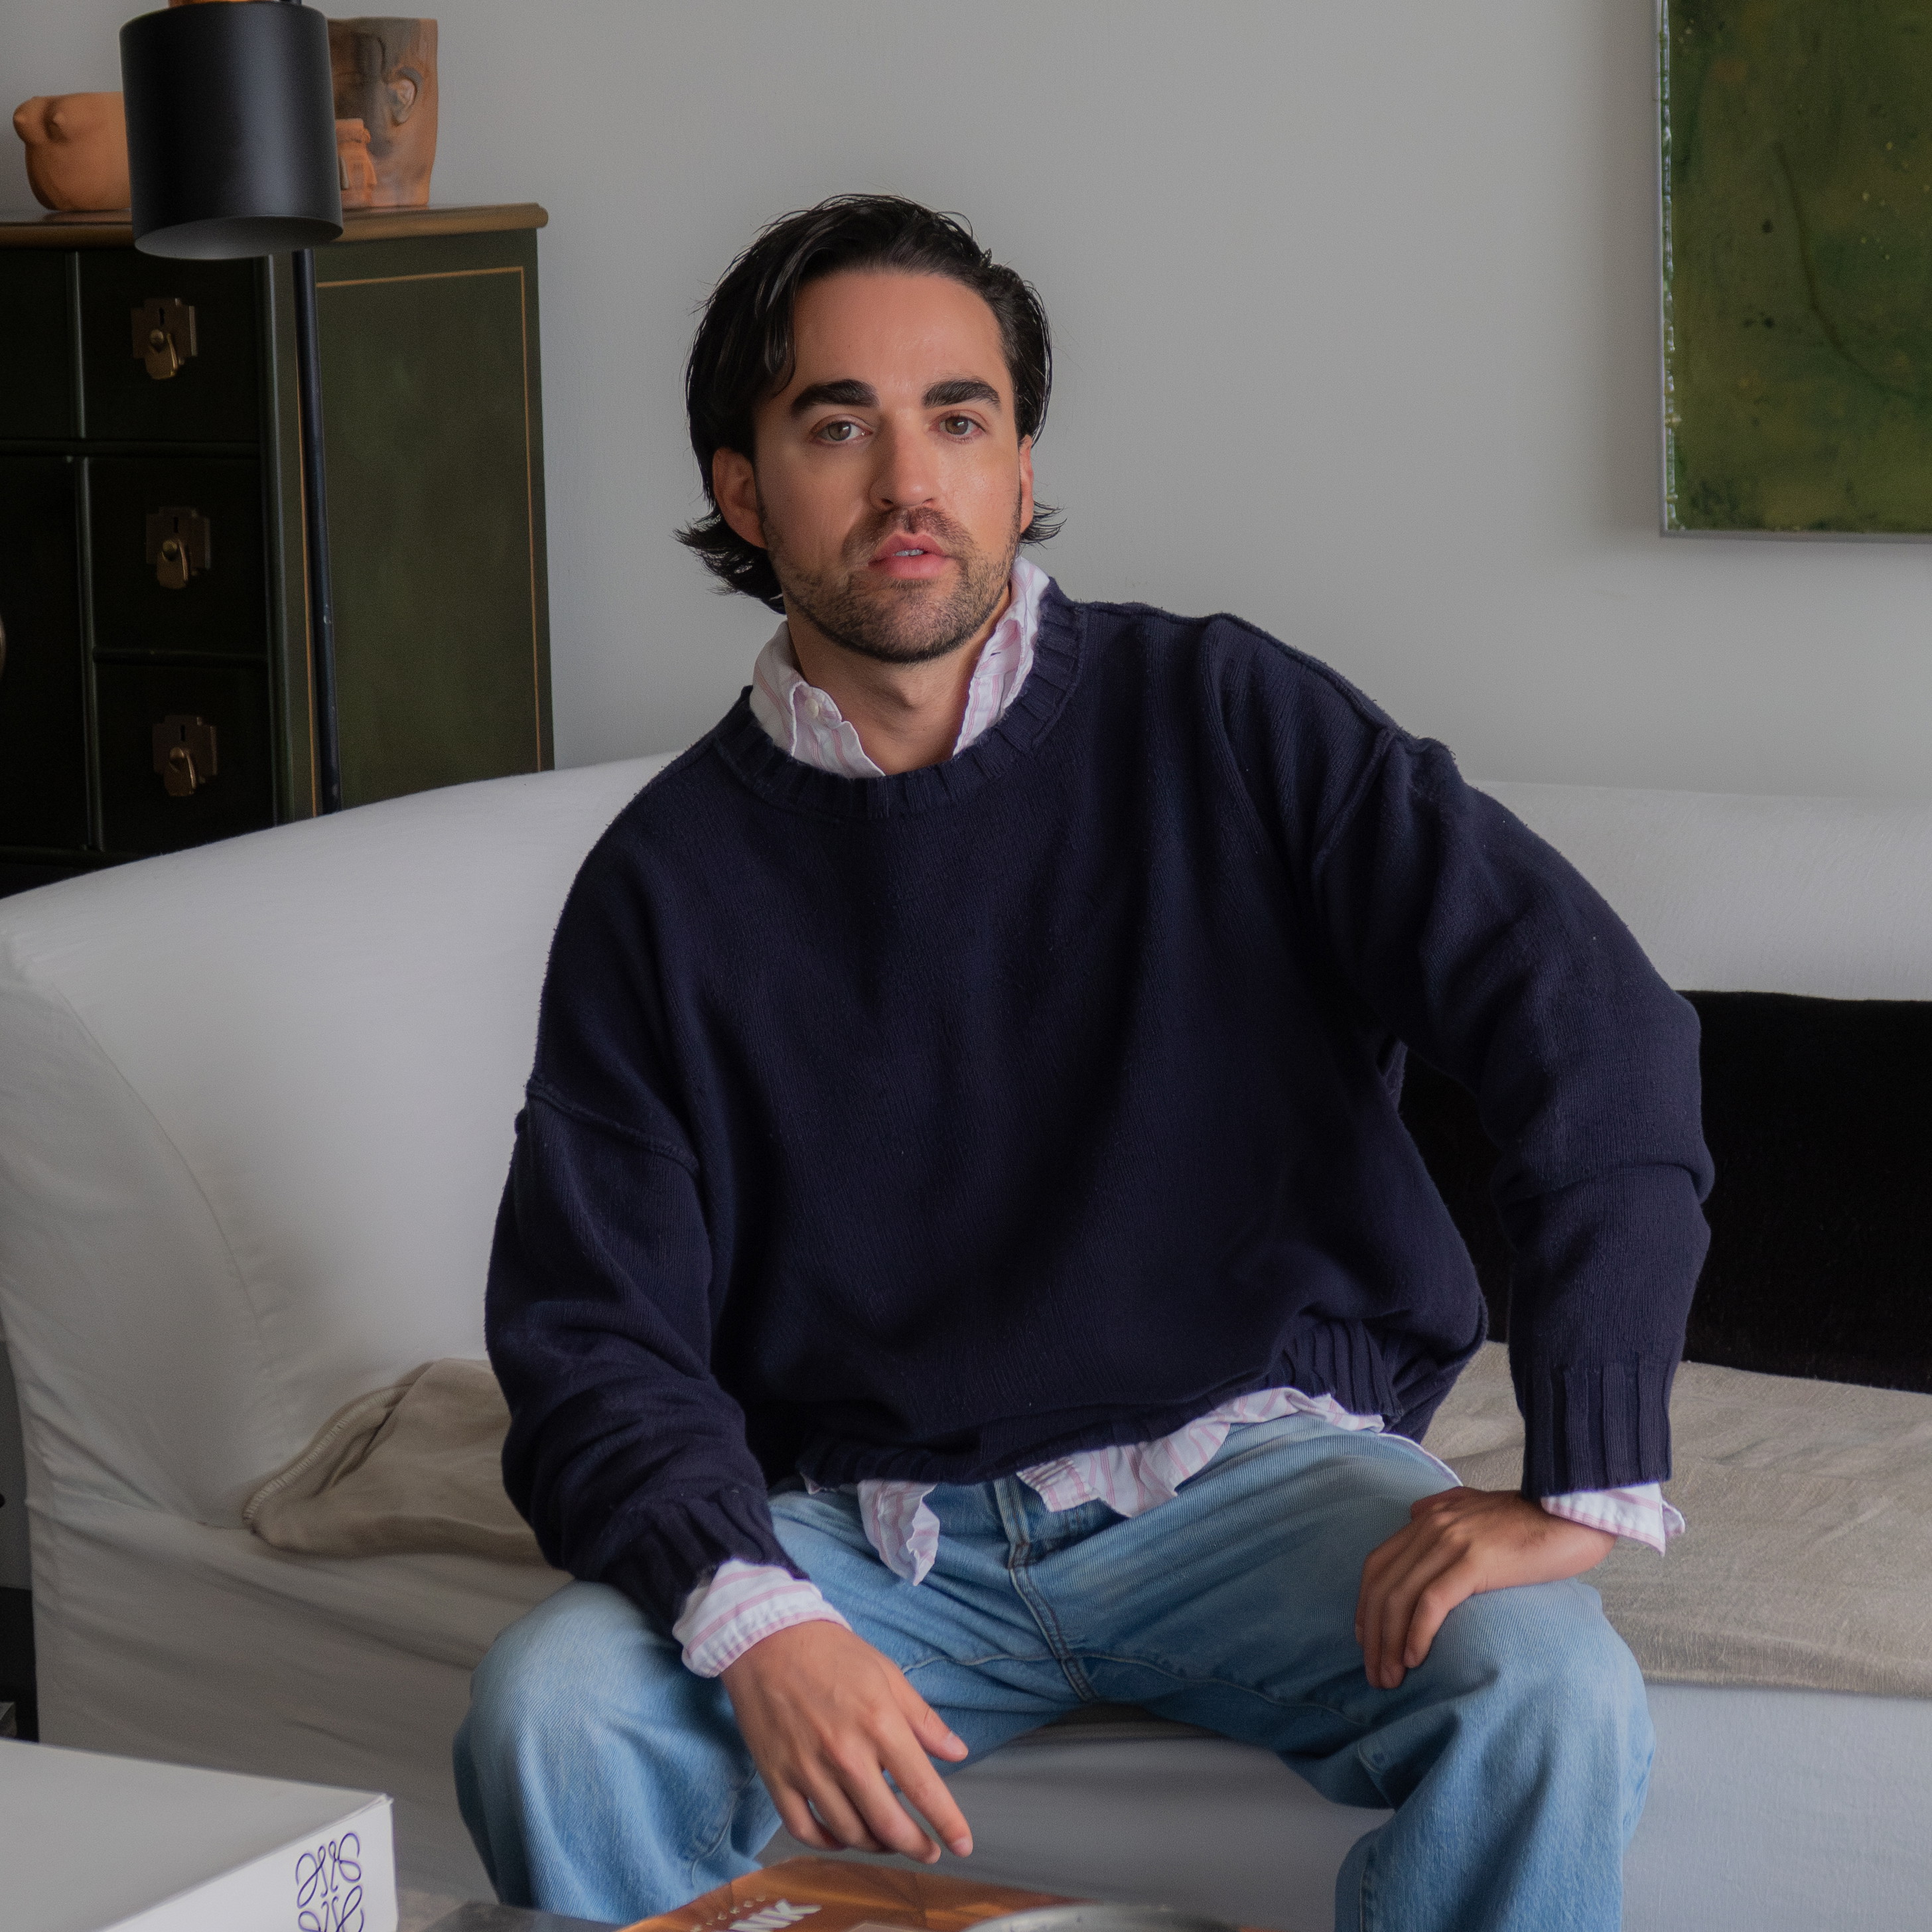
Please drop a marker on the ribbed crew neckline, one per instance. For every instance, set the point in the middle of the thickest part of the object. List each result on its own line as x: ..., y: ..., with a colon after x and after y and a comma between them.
x: 776, y: 776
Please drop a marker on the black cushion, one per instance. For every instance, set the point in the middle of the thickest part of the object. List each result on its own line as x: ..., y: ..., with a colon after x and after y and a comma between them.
x: 1818, y: 1115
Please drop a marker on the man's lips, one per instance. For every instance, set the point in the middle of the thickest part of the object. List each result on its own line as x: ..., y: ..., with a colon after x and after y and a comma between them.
x: 908, y: 559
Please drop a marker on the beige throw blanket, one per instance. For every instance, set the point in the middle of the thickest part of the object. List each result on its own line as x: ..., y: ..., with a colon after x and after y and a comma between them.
x: 1807, y: 1563
x: 417, y: 1466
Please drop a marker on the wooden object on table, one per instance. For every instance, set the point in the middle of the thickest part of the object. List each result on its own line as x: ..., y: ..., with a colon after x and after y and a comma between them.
x: 151, y: 565
x: 845, y: 1894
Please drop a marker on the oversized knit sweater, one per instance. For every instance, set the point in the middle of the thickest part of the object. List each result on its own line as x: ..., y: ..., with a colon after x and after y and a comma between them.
x: 935, y: 1125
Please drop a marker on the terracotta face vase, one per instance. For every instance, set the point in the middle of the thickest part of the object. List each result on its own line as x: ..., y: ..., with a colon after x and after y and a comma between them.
x: 76, y: 150
x: 385, y: 103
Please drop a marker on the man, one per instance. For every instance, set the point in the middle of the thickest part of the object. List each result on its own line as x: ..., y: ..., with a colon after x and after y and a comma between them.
x: 961, y: 1257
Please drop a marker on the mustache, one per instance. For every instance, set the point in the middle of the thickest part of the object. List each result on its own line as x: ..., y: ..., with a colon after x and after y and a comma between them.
x: 921, y: 522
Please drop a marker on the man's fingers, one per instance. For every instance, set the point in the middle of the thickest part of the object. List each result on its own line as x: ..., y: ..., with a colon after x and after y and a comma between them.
x: 886, y: 1819
x: 928, y: 1726
x: 1382, y: 1562
x: 1382, y: 1574
x: 841, y: 1817
x: 797, y: 1817
x: 1455, y: 1585
x: 1398, y: 1622
x: 1391, y: 1615
x: 925, y: 1790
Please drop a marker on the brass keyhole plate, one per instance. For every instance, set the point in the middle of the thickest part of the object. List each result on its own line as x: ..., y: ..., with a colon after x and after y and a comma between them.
x: 184, y: 753
x: 180, y: 543
x: 163, y: 336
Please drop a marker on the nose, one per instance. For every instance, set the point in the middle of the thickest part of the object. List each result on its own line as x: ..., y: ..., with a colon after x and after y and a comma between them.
x: 905, y: 476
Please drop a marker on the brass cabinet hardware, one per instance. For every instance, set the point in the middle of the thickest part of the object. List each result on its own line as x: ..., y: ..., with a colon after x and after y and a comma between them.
x: 163, y: 335
x: 180, y: 542
x: 184, y: 754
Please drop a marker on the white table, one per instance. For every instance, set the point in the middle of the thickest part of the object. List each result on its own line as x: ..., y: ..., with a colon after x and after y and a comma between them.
x: 89, y: 1843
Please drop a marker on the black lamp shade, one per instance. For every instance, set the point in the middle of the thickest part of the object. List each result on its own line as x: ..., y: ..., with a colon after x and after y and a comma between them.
x: 231, y: 129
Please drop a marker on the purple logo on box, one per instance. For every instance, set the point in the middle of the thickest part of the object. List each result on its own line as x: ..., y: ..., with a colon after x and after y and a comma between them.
x: 328, y: 1887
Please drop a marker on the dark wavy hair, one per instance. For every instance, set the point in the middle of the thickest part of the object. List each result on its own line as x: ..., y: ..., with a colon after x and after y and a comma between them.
x: 743, y: 350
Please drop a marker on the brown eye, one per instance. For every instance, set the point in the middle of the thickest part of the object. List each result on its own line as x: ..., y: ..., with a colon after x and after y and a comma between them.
x: 959, y: 425
x: 839, y: 432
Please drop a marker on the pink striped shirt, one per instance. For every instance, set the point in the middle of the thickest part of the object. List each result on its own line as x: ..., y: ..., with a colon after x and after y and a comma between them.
x: 744, y: 1602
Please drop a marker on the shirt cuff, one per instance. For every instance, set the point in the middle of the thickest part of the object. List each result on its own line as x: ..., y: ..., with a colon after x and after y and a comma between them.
x: 741, y: 1603
x: 1639, y: 1512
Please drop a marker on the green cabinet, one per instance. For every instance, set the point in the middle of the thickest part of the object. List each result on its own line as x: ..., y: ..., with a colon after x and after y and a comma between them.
x: 151, y: 555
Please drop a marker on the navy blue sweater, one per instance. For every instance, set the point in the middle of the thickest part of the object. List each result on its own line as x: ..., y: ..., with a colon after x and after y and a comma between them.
x: 935, y: 1125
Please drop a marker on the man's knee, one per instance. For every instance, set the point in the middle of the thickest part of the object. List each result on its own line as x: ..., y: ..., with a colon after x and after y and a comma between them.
x: 547, y: 1677
x: 1545, y: 1654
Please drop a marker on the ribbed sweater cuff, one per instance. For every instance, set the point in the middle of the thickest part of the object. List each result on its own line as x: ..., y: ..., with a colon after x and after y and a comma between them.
x: 681, y: 1542
x: 1595, y: 1425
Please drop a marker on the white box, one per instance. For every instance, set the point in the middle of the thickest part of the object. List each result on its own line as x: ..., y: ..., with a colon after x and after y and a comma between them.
x: 89, y: 1843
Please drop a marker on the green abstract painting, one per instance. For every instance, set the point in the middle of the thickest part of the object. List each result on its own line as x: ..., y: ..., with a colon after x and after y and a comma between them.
x: 1797, y: 182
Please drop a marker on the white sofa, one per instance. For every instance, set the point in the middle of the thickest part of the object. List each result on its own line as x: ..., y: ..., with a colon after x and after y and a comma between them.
x: 255, y: 1111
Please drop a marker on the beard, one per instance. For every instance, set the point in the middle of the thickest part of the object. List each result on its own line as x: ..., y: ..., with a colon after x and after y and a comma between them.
x: 896, y: 622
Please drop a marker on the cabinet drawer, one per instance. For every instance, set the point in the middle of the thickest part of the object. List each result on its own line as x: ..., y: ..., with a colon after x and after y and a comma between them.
x: 214, y: 396
x: 36, y: 392
x: 221, y: 607
x: 42, y: 718
x: 138, y: 813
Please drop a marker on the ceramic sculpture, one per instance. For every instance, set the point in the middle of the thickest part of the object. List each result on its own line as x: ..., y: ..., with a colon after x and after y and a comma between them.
x: 76, y: 150
x: 386, y: 109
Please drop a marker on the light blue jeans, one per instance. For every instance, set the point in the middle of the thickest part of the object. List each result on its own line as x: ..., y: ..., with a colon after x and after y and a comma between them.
x: 599, y: 1777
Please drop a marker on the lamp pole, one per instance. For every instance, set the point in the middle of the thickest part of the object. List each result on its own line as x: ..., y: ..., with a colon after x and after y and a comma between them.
x: 231, y: 153
x: 315, y: 532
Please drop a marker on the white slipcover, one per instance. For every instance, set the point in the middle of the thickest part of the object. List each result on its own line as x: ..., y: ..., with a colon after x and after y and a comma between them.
x: 255, y: 1110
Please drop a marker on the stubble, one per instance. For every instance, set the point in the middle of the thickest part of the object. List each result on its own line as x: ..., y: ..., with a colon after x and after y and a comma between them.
x: 890, y: 622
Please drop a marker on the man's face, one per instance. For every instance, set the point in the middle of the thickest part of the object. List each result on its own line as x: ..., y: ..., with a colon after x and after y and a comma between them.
x: 890, y: 486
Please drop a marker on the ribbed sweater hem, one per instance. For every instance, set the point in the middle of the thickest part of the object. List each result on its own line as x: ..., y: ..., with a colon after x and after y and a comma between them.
x: 686, y: 1541
x: 1595, y: 1425
x: 1332, y: 1358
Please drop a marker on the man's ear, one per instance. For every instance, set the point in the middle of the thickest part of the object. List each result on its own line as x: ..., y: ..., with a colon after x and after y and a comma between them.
x: 1026, y: 481
x: 734, y: 484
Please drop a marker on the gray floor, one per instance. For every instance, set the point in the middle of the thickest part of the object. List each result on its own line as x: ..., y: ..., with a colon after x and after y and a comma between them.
x: 429, y: 1912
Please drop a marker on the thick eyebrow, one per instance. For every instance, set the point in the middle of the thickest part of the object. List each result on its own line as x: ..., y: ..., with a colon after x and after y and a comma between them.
x: 846, y: 393
x: 961, y: 389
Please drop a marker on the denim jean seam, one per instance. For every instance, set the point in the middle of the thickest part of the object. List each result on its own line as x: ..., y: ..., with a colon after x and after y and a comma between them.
x: 1019, y: 1566
x: 1018, y: 1563
x: 976, y: 1663
x: 1230, y: 1684
x: 738, y: 1788
x: 1364, y: 1906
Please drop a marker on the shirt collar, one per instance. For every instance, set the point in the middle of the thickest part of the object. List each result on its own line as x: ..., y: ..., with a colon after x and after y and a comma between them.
x: 805, y: 722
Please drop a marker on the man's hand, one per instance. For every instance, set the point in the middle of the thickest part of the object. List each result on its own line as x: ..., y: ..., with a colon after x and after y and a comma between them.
x: 826, y: 1717
x: 1458, y: 1544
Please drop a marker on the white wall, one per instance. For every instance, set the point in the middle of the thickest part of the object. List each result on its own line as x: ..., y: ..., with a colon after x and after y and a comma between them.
x: 1355, y: 308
